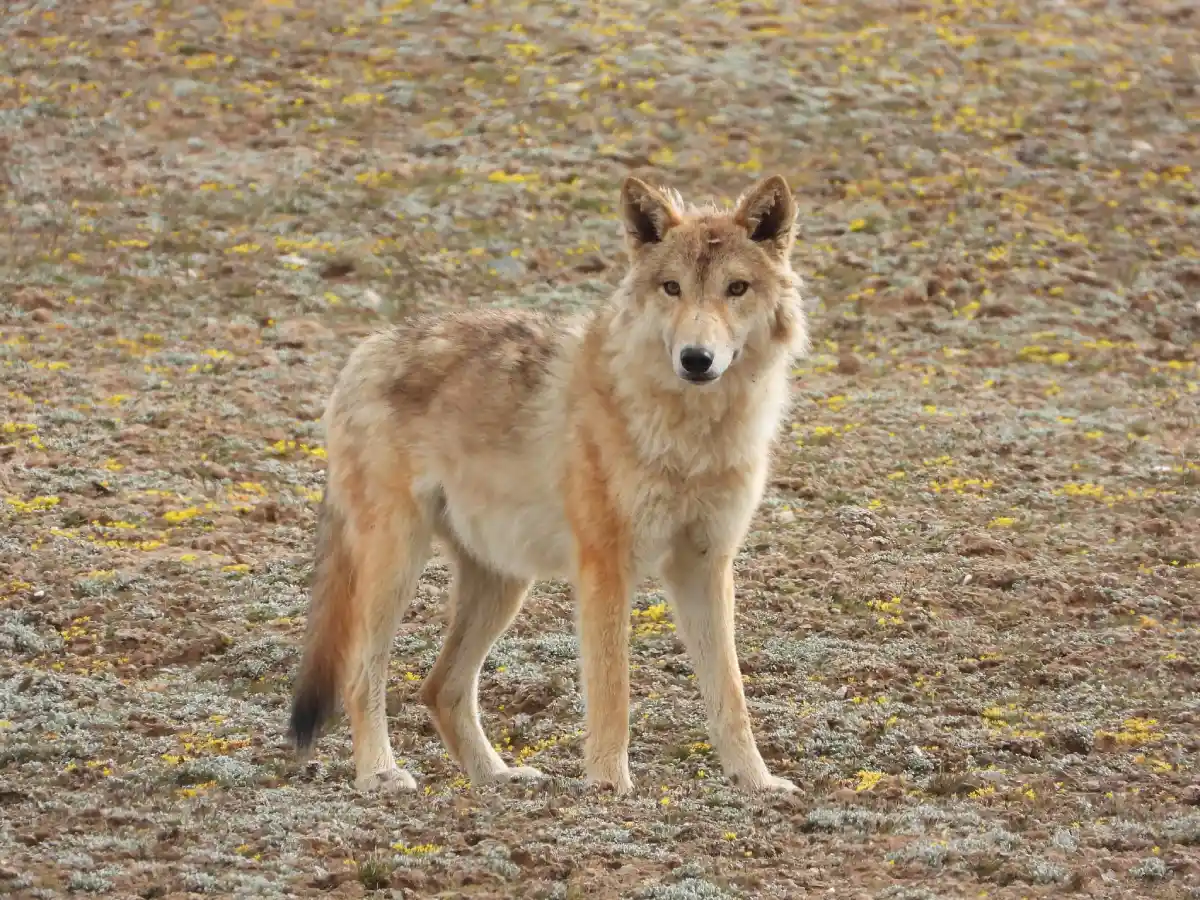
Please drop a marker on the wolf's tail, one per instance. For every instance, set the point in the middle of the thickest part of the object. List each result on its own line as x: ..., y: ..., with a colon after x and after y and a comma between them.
x: 330, y: 633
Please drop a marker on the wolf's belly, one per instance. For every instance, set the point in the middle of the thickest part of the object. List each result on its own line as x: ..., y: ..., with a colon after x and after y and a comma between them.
x: 525, y: 538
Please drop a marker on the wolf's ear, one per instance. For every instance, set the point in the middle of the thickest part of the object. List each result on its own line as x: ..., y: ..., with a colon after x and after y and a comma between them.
x: 768, y: 213
x: 647, y: 213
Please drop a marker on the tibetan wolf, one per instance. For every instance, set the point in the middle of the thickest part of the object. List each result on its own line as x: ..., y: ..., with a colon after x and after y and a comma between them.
x: 634, y: 440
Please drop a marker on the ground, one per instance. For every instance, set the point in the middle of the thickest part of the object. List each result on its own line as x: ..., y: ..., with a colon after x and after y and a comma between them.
x: 968, y: 612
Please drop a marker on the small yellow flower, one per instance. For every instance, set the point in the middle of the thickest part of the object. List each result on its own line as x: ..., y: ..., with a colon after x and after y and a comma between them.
x: 867, y: 779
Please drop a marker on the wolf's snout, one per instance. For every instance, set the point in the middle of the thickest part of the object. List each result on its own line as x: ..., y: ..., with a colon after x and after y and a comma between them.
x: 697, y: 364
x: 696, y: 360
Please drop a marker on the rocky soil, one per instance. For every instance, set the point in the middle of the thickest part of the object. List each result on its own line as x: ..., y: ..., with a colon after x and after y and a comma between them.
x: 968, y: 608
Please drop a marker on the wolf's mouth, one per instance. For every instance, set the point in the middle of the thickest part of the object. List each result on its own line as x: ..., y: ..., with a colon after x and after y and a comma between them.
x: 701, y: 378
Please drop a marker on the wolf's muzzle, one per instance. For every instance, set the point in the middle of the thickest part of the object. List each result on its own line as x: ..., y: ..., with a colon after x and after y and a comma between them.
x: 696, y: 363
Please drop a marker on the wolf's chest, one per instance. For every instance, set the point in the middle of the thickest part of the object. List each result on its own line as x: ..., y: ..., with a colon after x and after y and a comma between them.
x: 714, y: 508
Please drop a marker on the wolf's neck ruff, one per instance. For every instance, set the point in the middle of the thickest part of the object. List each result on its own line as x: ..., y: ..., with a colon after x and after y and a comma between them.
x: 688, y: 429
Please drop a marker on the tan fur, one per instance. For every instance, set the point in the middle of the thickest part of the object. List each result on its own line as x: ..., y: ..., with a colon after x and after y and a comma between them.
x: 537, y: 448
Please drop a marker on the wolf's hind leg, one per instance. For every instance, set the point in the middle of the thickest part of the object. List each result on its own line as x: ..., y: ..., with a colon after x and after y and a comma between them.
x: 390, y: 557
x: 484, y: 603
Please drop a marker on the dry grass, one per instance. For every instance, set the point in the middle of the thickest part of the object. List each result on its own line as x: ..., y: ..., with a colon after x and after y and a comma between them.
x: 969, y: 607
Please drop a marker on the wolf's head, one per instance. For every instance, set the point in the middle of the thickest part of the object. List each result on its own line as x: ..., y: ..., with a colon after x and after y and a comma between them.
x: 716, y: 286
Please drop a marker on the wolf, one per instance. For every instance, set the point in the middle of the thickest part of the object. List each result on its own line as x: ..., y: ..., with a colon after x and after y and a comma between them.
x: 633, y: 440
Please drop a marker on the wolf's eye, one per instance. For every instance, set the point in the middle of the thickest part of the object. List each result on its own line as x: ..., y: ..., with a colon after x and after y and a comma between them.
x: 672, y: 288
x: 737, y: 288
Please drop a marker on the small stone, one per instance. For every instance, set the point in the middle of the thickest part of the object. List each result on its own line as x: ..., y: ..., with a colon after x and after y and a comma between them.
x: 1084, y: 276
x: 844, y: 795
x: 300, y: 333
x: 1075, y: 739
x: 508, y: 266
x: 592, y: 263
x: 998, y: 311
x: 183, y: 87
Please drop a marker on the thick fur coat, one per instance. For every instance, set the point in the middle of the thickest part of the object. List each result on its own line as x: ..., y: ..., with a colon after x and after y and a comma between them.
x: 631, y: 441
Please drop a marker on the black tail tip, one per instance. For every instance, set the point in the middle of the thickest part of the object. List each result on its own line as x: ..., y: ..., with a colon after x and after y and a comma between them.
x: 310, y: 710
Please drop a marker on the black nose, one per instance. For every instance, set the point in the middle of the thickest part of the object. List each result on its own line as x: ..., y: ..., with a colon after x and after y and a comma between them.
x: 695, y: 360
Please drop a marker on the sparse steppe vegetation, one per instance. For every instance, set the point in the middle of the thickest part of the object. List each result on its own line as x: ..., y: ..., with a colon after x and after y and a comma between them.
x: 968, y: 609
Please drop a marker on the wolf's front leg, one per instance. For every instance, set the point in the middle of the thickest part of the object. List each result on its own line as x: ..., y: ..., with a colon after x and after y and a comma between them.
x: 602, y: 589
x: 700, y: 586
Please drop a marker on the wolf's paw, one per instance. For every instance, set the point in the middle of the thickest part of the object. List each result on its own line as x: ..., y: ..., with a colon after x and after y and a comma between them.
x: 521, y: 773
x: 389, y: 781
x: 767, y: 784
x: 511, y: 774
x: 617, y: 781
